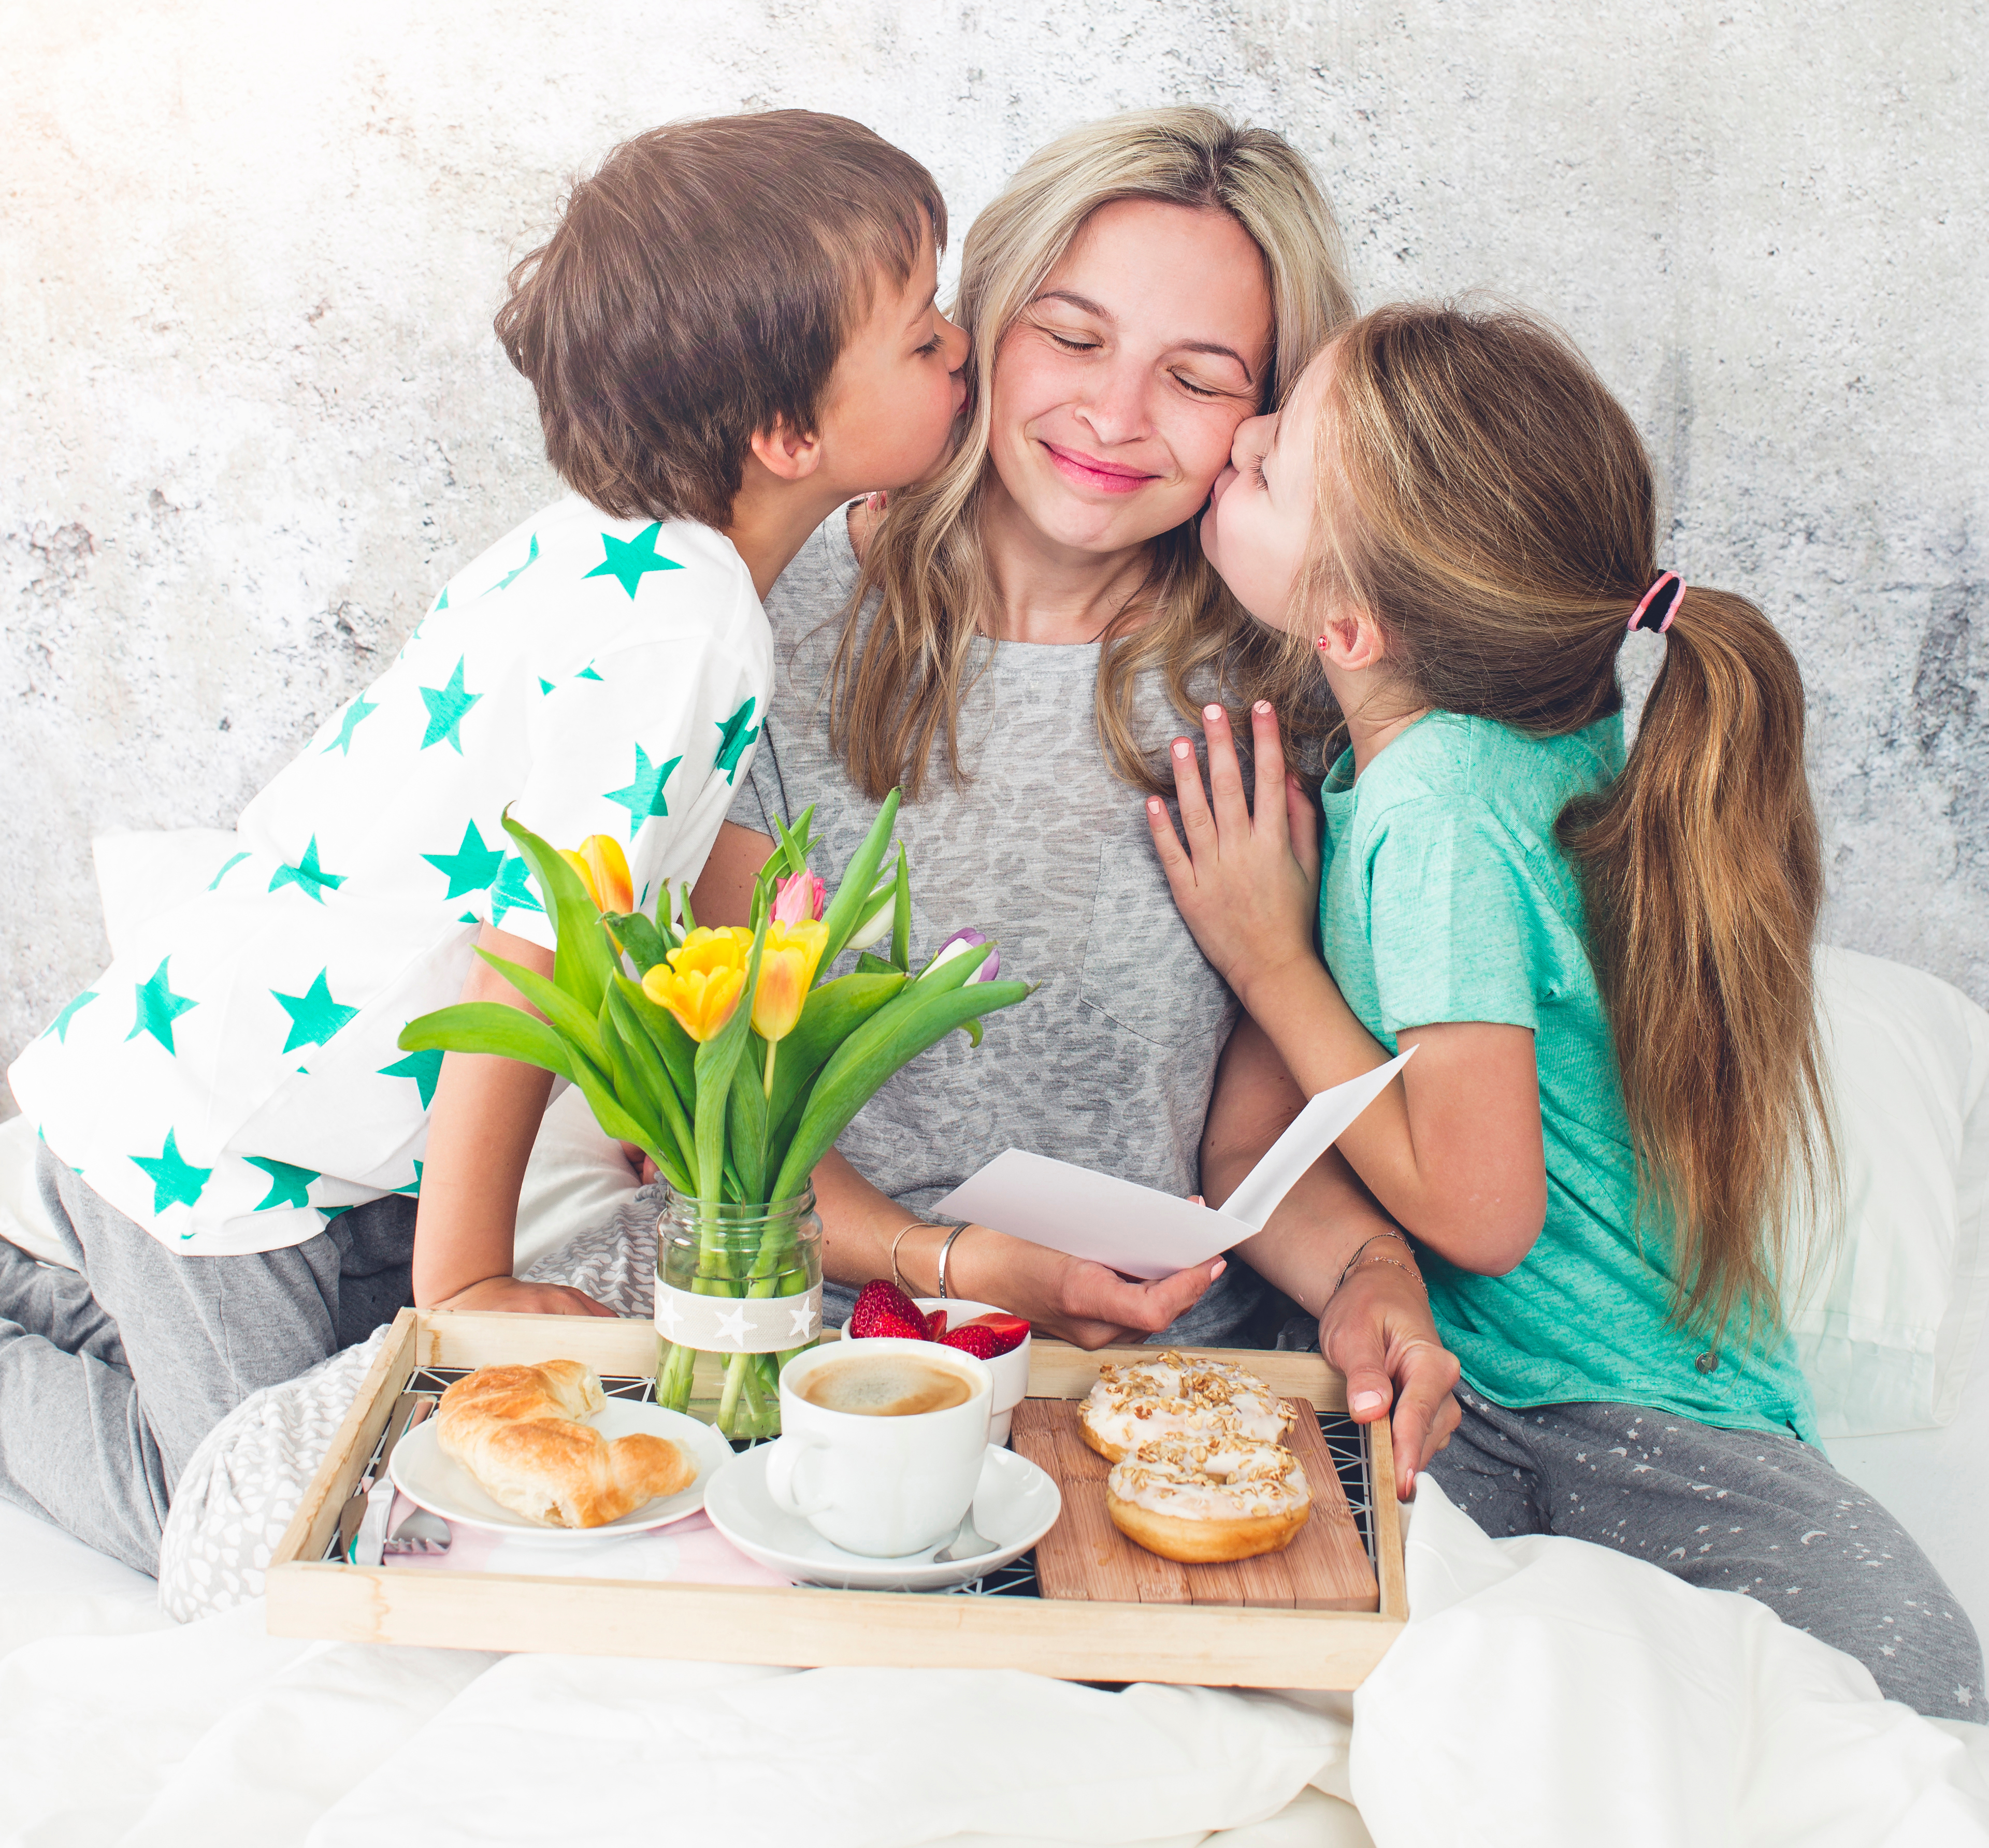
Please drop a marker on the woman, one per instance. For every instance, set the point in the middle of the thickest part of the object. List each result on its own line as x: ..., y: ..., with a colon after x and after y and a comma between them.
x: 1012, y: 650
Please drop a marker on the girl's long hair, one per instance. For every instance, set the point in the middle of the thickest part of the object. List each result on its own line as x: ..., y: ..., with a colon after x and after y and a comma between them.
x: 1489, y: 503
x: 895, y: 686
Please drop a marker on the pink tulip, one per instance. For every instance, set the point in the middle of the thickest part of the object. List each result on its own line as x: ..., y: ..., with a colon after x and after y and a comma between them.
x: 799, y: 898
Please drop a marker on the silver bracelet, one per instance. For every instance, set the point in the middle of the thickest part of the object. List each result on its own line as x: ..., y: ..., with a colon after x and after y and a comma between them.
x: 897, y: 1276
x: 946, y: 1251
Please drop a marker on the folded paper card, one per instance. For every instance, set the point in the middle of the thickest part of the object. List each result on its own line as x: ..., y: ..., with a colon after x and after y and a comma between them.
x: 1136, y: 1230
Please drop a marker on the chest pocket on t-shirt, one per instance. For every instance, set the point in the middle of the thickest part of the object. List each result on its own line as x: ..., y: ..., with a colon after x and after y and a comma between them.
x: 1143, y: 969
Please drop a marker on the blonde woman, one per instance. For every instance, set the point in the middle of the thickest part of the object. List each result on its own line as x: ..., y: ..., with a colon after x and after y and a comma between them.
x: 1012, y: 643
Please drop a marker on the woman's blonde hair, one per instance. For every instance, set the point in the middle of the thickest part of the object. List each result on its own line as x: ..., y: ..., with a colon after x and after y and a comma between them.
x: 1490, y: 505
x: 895, y: 686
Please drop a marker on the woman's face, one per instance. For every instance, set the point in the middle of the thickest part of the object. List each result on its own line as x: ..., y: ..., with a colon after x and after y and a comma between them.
x: 1118, y: 393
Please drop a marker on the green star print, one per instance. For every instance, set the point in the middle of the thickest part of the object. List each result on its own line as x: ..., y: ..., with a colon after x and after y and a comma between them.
x: 158, y: 1007
x: 176, y: 1182
x: 289, y: 1186
x: 423, y: 1067
x: 628, y: 559
x: 360, y: 710
x: 59, y: 1025
x: 732, y: 740
x: 511, y: 893
x: 644, y: 797
x: 307, y: 876
x: 447, y: 705
x: 315, y: 1017
x: 505, y: 582
x: 472, y: 866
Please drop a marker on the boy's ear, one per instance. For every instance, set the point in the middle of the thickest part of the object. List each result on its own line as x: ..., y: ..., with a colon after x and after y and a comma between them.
x: 786, y: 454
x: 1351, y: 639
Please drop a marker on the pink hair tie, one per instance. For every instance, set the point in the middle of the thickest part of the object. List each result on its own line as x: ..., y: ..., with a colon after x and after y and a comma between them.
x: 1654, y: 608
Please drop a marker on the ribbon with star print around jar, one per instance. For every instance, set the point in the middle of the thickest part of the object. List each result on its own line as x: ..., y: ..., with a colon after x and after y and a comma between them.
x: 735, y: 1279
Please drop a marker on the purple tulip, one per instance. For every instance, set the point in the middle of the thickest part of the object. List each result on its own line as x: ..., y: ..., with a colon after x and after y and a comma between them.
x: 958, y: 945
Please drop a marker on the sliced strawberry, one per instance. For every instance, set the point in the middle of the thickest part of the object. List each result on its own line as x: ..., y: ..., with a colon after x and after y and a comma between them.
x: 936, y: 1325
x: 1010, y: 1332
x: 981, y: 1343
x: 883, y: 1309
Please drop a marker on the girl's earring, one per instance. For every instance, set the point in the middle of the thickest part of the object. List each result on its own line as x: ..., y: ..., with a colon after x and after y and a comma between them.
x: 1322, y: 641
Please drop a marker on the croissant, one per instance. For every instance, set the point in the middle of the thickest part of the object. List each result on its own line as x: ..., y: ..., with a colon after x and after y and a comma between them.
x: 514, y: 1429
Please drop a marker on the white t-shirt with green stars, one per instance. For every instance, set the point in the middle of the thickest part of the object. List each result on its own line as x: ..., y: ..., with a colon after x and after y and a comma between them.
x: 231, y: 1080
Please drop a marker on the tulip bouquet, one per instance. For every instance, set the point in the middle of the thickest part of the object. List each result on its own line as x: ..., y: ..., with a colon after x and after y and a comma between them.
x: 726, y: 1055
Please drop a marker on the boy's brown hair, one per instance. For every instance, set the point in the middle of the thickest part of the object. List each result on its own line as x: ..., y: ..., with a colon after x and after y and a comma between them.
x: 700, y: 286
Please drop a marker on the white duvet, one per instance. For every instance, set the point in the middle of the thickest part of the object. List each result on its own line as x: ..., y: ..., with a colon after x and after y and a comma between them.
x: 1546, y: 1692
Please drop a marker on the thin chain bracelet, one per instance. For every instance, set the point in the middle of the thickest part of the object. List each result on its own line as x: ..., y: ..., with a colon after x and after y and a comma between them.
x: 1361, y: 1248
x: 1396, y: 1261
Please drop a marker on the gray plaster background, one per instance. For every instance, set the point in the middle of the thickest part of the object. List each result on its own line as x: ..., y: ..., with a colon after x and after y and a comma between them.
x: 252, y: 415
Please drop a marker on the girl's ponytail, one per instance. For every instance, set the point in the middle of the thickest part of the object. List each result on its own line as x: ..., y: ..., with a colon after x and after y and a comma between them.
x: 1484, y: 497
x: 1704, y: 874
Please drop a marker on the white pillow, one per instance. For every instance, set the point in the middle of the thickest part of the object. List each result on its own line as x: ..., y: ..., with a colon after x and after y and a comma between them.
x: 1886, y: 1319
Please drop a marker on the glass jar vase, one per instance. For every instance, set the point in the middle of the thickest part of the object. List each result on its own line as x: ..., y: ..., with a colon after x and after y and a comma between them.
x: 738, y: 1292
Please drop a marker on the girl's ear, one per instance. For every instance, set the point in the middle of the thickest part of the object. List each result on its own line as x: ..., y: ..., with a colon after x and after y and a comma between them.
x: 1351, y: 639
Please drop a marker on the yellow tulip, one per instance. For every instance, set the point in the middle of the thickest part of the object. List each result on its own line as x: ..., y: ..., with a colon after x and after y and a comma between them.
x: 703, y: 980
x: 788, y: 963
x: 604, y: 871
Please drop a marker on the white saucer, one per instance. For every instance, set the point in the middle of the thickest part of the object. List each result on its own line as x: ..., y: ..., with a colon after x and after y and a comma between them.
x: 442, y: 1486
x: 1015, y: 1505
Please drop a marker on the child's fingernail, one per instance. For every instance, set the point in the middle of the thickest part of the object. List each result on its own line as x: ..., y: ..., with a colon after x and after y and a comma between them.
x: 1152, y: 805
x: 1213, y: 714
x: 1364, y: 1402
x: 1262, y: 709
x: 1183, y: 748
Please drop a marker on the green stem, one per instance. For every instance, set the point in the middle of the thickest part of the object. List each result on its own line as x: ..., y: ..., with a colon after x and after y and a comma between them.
x: 773, y: 1047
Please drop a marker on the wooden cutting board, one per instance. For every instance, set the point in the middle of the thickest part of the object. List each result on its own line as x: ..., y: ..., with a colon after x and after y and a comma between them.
x: 1084, y: 1555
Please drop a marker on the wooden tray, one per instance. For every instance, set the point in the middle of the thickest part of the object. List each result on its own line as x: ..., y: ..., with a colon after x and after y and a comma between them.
x: 1113, y: 1638
x: 1325, y: 1568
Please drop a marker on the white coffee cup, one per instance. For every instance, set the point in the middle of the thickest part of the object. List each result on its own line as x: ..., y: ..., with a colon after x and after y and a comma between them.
x: 880, y: 1486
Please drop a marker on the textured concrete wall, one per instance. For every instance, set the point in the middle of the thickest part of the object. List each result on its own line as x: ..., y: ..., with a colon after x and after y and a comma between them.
x: 252, y: 415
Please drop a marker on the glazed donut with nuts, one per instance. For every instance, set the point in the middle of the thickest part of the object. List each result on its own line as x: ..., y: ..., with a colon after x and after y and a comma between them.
x: 1177, y: 1394
x: 1206, y: 1498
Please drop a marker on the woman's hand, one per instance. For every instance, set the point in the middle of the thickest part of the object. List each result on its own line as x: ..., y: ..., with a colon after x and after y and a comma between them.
x: 1247, y: 884
x: 1377, y: 1331
x: 1087, y: 1305
x: 515, y: 1296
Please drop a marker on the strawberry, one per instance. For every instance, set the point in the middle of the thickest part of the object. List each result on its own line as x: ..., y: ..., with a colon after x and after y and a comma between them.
x: 981, y: 1343
x: 936, y: 1325
x: 882, y: 1308
x: 1010, y: 1332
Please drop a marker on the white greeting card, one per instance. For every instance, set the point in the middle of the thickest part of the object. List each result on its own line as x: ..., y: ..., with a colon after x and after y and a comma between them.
x: 1137, y: 1229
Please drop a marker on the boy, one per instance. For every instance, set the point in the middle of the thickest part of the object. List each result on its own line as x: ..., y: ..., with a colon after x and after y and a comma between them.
x: 731, y: 333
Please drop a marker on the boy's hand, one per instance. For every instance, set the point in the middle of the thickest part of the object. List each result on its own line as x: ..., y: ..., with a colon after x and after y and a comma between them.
x: 517, y: 1297
x: 1247, y: 885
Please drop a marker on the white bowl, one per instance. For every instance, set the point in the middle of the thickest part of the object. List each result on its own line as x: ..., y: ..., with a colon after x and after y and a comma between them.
x: 1011, y: 1370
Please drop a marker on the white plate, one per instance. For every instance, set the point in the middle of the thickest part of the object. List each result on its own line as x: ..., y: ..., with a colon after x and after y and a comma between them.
x: 442, y: 1486
x: 1015, y: 1505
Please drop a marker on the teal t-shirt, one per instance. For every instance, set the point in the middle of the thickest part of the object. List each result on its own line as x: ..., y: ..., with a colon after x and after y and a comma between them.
x: 1445, y: 897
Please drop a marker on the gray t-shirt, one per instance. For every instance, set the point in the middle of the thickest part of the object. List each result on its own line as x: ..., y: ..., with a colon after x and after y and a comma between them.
x: 1110, y: 1064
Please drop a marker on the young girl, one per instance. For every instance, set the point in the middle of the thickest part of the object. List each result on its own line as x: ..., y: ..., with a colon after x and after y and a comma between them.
x: 1603, y: 966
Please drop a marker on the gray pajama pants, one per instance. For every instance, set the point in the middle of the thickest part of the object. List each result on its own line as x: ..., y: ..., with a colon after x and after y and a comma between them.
x: 111, y: 1374
x: 1732, y: 1510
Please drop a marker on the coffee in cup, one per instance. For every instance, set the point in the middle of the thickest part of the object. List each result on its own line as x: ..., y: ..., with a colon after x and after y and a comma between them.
x: 882, y: 1443
x: 885, y: 1386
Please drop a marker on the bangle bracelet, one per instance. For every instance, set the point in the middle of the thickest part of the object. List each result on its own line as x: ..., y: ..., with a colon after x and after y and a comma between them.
x: 897, y: 1276
x: 945, y: 1252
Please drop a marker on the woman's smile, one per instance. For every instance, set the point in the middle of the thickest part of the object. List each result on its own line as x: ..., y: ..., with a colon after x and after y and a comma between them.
x: 1094, y: 472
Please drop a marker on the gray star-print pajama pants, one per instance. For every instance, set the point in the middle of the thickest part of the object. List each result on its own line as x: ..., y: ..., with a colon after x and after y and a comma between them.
x: 1732, y: 1510
x: 113, y: 1372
